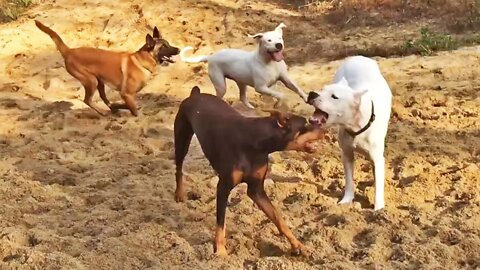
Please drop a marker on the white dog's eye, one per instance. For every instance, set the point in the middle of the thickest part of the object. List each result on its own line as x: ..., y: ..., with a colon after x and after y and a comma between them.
x: 269, y: 40
x: 334, y: 97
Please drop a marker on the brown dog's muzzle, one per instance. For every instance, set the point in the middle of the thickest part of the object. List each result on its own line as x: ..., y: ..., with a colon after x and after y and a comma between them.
x: 165, y: 54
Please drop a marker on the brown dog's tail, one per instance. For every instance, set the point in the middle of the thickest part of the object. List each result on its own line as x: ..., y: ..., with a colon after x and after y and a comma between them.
x: 61, y: 46
x: 195, y: 91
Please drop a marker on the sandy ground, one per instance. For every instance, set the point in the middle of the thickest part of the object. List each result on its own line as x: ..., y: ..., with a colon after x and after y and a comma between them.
x: 79, y: 191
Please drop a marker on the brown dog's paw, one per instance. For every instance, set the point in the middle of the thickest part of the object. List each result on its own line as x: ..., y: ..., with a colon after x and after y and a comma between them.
x: 301, y: 250
x: 221, y: 252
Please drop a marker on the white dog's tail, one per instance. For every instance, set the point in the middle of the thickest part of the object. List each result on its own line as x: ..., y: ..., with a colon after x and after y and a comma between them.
x: 196, y: 59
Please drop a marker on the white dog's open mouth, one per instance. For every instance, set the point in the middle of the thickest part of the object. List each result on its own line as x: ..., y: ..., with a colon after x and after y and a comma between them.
x: 277, y: 56
x: 319, y: 118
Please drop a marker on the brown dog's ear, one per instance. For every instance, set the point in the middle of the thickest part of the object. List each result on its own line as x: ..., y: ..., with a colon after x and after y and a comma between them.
x: 149, y: 42
x: 156, y: 33
x: 282, y: 118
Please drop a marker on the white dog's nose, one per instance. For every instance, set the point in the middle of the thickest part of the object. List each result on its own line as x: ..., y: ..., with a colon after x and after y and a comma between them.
x: 279, y: 46
x: 311, y: 96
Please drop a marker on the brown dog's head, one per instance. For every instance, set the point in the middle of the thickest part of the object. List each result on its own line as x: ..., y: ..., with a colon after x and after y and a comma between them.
x: 297, y: 132
x: 160, y: 48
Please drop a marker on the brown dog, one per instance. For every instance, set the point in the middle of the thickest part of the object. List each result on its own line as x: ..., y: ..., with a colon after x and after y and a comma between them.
x: 126, y: 72
x: 237, y: 148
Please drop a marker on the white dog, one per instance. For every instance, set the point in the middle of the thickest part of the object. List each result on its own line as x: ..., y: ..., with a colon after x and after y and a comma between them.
x: 358, y: 102
x: 260, y: 69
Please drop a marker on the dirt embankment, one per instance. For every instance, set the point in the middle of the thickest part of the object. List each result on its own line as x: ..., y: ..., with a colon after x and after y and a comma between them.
x: 79, y: 191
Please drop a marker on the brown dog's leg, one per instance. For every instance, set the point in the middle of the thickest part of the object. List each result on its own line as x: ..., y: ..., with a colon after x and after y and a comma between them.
x: 257, y: 193
x: 128, y: 92
x: 131, y: 103
x: 223, y: 190
x: 90, y: 88
x: 89, y: 82
x: 101, y: 91
x: 183, y: 136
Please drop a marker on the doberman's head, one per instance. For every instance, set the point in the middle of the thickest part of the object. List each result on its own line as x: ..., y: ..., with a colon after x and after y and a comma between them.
x: 160, y: 48
x: 296, y: 132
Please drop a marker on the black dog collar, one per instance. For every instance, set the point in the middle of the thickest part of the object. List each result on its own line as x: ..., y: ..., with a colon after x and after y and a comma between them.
x: 370, y: 121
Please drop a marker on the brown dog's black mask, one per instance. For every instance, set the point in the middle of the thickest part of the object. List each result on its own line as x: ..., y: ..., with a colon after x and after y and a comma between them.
x: 159, y: 47
x: 163, y: 51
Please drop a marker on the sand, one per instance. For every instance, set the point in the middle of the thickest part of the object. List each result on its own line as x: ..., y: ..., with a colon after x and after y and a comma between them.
x: 80, y: 191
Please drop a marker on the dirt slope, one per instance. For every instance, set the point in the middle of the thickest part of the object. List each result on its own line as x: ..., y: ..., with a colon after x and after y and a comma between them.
x: 79, y: 191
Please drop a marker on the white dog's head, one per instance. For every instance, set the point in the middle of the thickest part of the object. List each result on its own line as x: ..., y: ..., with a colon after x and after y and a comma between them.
x: 271, y: 42
x: 336, y: 104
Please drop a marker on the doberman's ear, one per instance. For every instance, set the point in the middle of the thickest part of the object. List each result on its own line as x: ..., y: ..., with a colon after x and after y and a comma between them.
x: 156, y: 33
x: 282, y: 118
x: 149, y: 42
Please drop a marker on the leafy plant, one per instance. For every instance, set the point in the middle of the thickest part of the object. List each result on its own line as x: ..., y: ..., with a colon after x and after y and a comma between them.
x: 430, y: 42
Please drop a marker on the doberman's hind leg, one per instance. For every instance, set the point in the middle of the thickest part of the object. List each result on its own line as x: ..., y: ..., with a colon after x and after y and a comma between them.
x: 257, y: 193
x: 182, y: 136
x: 223, y: 190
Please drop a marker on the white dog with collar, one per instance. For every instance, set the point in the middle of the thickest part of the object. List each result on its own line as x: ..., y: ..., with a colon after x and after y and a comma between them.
x: 358, y: 102
x: 260, y: 69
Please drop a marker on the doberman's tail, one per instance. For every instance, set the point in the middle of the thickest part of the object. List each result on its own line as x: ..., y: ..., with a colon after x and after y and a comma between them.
x: 61, y: 46
x: 195, y: 91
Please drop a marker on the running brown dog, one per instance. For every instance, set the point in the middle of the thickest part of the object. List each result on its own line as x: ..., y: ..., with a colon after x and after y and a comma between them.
x: 237, y: 148
x: 126, y: 72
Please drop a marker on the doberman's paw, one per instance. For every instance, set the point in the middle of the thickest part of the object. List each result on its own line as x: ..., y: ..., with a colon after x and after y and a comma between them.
x: 180, y: 196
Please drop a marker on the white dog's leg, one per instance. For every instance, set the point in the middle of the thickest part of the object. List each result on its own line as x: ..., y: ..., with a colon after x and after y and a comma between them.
x: 285, y: 79
x: 348, y: 165
x: 218, y: 80
x: 267, y: 91
x: 243, y: 95
x: 376, y: 155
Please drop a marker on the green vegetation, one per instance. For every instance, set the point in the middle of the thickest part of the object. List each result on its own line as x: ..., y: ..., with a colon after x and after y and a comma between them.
x: 430, y: 42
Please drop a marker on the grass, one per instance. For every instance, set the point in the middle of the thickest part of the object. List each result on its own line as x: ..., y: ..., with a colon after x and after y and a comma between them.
x: 11, y: 10
x: 456, y: 24
x: 430, y: 42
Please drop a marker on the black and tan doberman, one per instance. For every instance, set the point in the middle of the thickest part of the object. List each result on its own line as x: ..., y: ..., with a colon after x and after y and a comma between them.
x: 237, y: 148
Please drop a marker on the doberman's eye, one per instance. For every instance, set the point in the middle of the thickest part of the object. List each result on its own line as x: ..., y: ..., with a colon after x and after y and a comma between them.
x: 334, y: 97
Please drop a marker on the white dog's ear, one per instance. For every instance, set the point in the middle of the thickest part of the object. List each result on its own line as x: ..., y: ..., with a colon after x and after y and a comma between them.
x: 256, y: 36
x: 343, y: 81
x: 357, y: 95
x: 280, y: 27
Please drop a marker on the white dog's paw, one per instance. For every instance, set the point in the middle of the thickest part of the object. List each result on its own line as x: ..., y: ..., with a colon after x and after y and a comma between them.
x: 346, y: 199
x: 304, y: 97
x: 249, y: 105
x: 379, y: 206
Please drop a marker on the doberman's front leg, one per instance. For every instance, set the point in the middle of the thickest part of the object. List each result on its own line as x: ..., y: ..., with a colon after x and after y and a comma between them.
x: 257, y: 193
